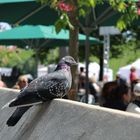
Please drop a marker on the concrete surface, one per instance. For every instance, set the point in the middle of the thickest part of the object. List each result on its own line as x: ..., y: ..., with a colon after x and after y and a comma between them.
x: 68, y: 120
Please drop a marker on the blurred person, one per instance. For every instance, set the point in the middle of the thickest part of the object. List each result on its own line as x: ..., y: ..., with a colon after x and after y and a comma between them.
x: 81, y: 81
x: 2, y: 84
x: 120, y: 79
x: 132, y: 89
x: 117, y: 96
x: 15, y: 72
x: 21, y: 83
x: 134, y: 106
x: 133, y: 77
x: 82, y: 76
x: 94, y: 88
x: 106, y: 90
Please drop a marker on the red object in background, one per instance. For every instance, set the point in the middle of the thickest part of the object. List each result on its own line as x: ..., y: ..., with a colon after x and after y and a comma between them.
x: 133, y: 76
x: 138, y: 11
x: 65, y: 7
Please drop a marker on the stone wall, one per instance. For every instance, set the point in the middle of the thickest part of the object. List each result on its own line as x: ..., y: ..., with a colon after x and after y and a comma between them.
x: 68, y: 120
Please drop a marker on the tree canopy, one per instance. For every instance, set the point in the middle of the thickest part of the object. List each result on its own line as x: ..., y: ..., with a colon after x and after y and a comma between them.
x: 128, y: 8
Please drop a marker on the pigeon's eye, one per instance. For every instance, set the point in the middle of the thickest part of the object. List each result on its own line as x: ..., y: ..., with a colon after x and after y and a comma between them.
x: 71, y: 60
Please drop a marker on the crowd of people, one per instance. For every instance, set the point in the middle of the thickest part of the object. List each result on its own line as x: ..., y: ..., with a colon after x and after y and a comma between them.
x: 117, y: 94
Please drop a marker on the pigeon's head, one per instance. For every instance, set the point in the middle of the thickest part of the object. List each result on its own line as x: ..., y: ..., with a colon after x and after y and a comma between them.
x: 68, y: 60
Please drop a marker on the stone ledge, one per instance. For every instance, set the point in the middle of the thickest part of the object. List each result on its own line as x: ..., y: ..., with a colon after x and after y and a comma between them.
x: 68, y: 120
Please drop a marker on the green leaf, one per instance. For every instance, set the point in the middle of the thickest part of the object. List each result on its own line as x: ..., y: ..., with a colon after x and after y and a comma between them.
x: 121, y: 7
x: 62, y: 22
x: 70, y: 25
x: 58, y: 25
x: 82, y: 12
x: 85, y: 3
x: 121, y: 24
x: 112, y: 3
x: 92, y: 3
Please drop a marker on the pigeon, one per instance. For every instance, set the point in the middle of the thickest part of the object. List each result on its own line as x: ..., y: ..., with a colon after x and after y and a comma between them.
x: 42, y: 89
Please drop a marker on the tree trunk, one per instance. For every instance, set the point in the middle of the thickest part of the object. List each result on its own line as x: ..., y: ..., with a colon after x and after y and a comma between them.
x: 73, y: 51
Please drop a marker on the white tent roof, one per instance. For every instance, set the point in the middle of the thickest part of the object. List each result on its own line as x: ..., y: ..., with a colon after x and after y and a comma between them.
x: 94, y: 69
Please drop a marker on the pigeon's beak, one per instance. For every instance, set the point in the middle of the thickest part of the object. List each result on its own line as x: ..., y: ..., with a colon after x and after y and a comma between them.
x: 74, y: 63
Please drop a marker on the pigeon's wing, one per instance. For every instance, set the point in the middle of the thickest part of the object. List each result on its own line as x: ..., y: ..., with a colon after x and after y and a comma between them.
x: 53, y: 82
x: 42, y: 89
x: 54, y: 89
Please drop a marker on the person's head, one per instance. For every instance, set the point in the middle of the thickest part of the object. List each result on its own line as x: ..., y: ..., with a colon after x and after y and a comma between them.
x: 22, y: 81
x: 133, y: 69
x: 81, y: 69
x: 92, y: 79
x: 120, y: 79
x: 137, y: 91
x: 118, y: 75
x: 112, y: 91
x: 121, y: 92
x: 107, y: 87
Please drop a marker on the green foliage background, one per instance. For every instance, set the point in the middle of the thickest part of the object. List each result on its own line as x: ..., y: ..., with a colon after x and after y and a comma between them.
x: 10, y: 58
x: 121, y: 54
x: 25, y: 59
x: 128, y: 54
x: 17, y: 57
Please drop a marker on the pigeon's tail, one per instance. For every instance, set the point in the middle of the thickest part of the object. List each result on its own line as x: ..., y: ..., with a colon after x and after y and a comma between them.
x: 16, y: 116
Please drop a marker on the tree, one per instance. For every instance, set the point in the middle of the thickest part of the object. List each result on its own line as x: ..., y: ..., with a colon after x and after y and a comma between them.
x: 71, y: 10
